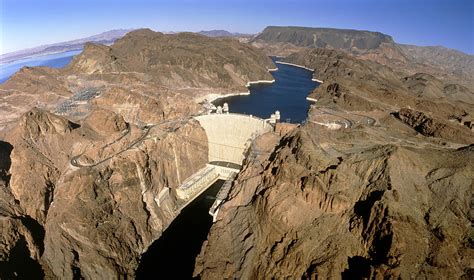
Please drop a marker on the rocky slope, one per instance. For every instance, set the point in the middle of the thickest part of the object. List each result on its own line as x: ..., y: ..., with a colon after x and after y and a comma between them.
x: 355, y: 42
x: 445, y: 64
x: 324, y: 37
x: 319, y: 208
x: 91, y: 154
x: 447, y: 59
x: 357, y: 85
x: 90, y: 222
x: 147, y: 70
x: 179, y: 60
x: 387, y: 200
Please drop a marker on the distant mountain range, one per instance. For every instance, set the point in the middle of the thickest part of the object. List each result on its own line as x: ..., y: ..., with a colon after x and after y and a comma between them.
x: 285, y: 40
x: 368, y: 45
x: 223, y: 33
x: 105, y: 38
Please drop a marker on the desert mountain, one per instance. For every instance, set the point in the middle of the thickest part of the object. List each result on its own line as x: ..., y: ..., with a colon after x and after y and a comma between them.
x: 175, y: 60
x: 385, y: 201
x: 444, y: 63
x: 368, y: 209
x: 385, y: 191
x: 137, y: 65
x: 444, y: 58
x: 85, y: 150
x: 355, y: 41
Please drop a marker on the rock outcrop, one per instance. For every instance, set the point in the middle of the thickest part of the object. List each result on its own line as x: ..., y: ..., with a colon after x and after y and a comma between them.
x: 355, y: 41
x: 446, y: 64
x: 387, y: 197
x: 371, y: 210
x: 91, y: 154
x: 432, y: 127
x: 364, y: 86
x: 178, y: 60
x: 92, y: 222
x: 154, y: 75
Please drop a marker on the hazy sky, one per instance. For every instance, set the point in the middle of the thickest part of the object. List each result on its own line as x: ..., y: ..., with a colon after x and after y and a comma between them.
x: 29, y: 23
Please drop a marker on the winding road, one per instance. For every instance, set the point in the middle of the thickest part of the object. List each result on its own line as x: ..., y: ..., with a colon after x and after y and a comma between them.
x: 146, y: 130
x: 344, y: 121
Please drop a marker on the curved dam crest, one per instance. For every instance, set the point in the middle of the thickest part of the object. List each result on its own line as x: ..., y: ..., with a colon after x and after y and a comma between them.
x: 229, y: 134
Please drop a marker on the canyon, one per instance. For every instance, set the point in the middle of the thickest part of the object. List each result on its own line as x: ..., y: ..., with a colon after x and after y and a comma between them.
x: 375, y: 183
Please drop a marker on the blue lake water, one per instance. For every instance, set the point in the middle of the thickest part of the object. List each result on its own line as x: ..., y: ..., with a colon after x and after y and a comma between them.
x: 57, y: 60
x: 288, y: 95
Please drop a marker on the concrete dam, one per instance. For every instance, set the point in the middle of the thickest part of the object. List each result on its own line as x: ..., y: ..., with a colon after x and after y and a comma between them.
x: 229, y: 136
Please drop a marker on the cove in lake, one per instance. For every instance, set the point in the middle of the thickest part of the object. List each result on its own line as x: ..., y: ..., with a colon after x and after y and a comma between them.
x: 287, y: 94
x: 57, y: 60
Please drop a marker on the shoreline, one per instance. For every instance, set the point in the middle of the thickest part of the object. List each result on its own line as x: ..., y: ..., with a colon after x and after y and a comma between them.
x: 301, y: 66
x: 37, y: 56
x: 215, y: 96
x: 316, y: 80
x: 296, y: 65
x: 260, y: 82
x: 211, y: 97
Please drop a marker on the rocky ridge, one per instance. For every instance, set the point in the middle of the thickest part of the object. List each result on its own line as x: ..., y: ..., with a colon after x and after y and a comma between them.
x: 446, y: 64
x: 384, y: 201
x: 87, y: 150
x: 387, y: 200
x: 319, y: 208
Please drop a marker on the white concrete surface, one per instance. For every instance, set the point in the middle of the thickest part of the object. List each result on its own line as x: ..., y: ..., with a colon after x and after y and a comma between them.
x: 260, y: 82
x: 197, y: 183
x: 296, y: 65
x: 228, y: 135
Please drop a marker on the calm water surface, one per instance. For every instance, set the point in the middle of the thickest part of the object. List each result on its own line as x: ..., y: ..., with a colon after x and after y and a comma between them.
x: 57, y: 60
x: 288, y: 95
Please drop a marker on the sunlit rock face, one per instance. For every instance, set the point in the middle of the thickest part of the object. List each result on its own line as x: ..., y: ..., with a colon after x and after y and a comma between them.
x: 387, y: 200
x: 370, y: 210
x: 81, y: 182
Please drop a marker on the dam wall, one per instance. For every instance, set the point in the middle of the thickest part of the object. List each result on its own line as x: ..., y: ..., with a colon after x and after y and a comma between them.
x: 229, y: 135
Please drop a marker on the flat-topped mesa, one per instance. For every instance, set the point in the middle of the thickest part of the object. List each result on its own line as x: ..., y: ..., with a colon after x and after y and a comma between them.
x: 346, y: 39
x: 183, y: 60
x: 447, y: 64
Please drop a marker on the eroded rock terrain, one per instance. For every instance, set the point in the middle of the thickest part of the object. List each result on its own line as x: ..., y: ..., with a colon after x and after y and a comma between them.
x: 377, y: 183
x: 328, y: 205
x: 91, y: 154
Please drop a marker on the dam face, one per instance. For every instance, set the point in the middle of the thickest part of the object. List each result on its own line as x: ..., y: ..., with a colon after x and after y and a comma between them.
x: 229, y: 135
